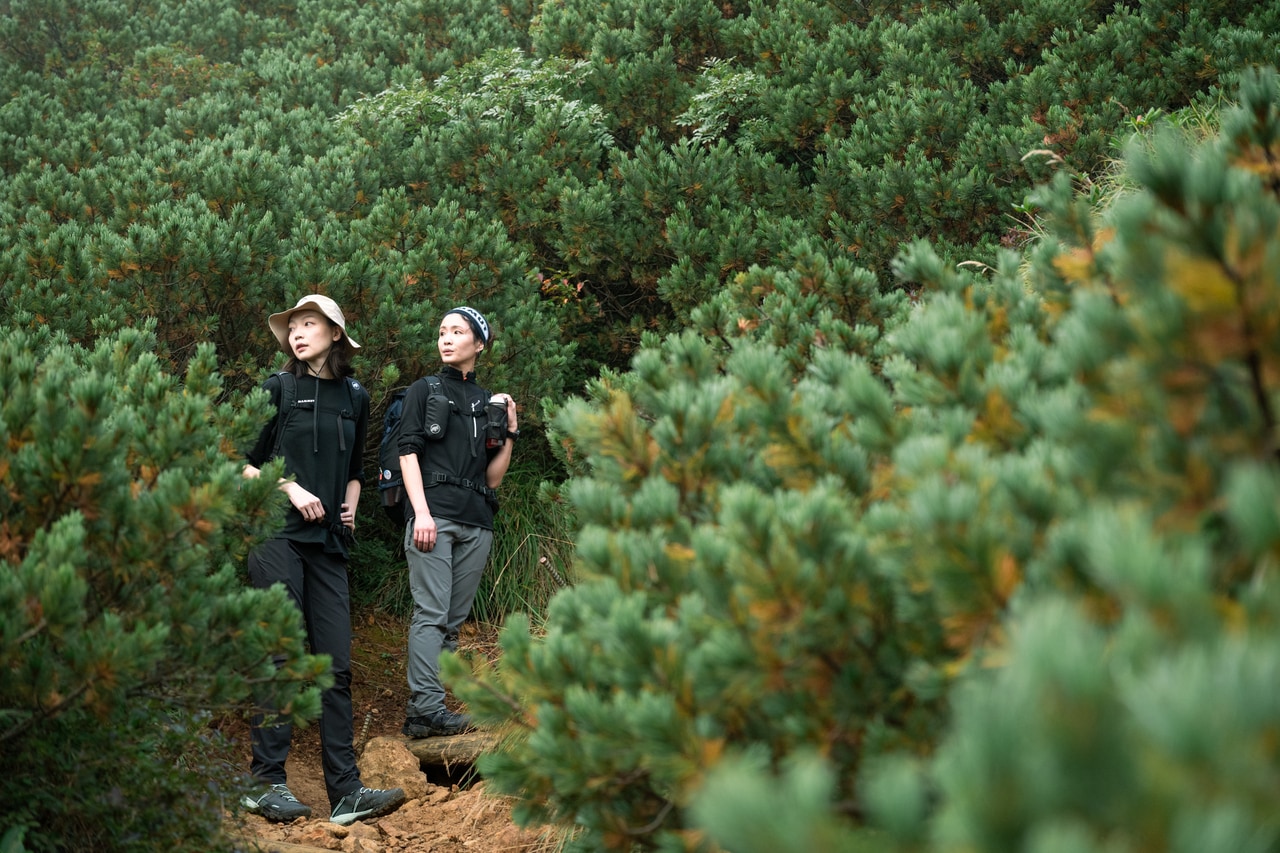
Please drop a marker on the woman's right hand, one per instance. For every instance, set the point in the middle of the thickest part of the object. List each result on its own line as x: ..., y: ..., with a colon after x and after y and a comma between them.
x: 304, y: 502
x: 424, y: 531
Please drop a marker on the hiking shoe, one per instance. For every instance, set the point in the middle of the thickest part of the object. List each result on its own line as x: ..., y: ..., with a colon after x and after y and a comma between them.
x: 278, y: 804
x: 366, y: 802
x: 442, y: 722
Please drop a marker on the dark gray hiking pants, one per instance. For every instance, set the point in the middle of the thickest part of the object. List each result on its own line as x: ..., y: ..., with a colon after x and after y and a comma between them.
x: 317, y: 583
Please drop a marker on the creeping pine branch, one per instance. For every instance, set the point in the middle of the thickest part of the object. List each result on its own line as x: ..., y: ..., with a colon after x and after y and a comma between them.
x: 1253, y: 361
x: 651, y: 826
x: 33, y: 631
x: 44, y: 713
x: 522, y: 716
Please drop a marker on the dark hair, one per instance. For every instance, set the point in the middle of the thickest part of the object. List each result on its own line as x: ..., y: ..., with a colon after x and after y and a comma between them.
x: 340, y: 355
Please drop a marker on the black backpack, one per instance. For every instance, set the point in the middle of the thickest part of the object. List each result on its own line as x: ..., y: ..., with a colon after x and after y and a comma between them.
x: 390, y: 480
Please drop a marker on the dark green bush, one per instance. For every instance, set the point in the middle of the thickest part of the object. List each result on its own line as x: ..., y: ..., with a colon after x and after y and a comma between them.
x: 1041, y: 498
x: 128, y: 623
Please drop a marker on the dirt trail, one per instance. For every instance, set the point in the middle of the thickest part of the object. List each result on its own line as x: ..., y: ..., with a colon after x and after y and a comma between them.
x: 448, y: 810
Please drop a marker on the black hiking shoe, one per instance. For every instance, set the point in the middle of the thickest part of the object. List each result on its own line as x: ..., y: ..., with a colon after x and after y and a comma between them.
x: 442, y: 722
x: 366, y: 802
x: 278, y: 804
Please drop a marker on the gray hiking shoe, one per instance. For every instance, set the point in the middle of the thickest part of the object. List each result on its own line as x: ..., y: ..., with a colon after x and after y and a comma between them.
x: 443, y: 722
x: 278, y: 804
x: 366, y: 802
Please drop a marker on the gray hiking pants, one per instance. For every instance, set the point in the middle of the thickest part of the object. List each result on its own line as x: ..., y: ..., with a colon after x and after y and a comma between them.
x: 443, y: 582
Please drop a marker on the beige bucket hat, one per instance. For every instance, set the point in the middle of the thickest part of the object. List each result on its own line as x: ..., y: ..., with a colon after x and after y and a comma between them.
x: 279, y: 322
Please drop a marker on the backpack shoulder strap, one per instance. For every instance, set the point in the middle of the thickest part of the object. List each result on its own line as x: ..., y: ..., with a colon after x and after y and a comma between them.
x: 353, y: 394
x: 288, y: 399
x: 434, y: 386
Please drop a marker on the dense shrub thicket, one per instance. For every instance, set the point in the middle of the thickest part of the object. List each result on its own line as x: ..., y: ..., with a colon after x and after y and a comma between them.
x: 997, y: 572
x: 610, y: 169
x: 706, y: 219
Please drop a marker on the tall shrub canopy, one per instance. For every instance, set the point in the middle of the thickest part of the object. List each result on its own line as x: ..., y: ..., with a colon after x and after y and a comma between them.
x: 995, y: 572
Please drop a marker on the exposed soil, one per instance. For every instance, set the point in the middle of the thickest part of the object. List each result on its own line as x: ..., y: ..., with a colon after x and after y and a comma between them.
x: 448, y: 810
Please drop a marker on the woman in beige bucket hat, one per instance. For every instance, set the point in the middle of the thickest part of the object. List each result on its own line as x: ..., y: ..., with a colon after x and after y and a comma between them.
x: 319, y: 429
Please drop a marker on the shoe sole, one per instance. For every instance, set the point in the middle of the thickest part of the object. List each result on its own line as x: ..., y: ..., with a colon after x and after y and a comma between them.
x: 420, y: 732
x: 275, y: 817
x: 377, y: 811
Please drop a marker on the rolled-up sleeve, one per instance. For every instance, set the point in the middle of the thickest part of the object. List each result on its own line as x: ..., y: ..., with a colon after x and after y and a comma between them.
x: 413, y: 437
x: 355, y: 470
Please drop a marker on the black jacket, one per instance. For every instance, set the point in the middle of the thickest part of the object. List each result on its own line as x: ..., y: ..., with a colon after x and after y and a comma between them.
x: 453, y: 466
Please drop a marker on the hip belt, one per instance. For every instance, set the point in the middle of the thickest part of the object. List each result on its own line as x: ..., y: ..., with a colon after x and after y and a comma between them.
x: 433, y: 477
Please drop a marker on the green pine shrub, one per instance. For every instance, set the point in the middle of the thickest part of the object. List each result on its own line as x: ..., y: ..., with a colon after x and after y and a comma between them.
x: 725, y: 585
x: 128, y: 622
x: 991, y: 569
x: 1152, y: 726
x: 638, y: 157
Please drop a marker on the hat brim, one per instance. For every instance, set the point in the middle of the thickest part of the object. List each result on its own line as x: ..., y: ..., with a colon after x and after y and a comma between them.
x: 279, y: 321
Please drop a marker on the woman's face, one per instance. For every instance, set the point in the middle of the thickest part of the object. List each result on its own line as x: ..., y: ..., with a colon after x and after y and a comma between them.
x: 311, y: 336
x: 457, y: 343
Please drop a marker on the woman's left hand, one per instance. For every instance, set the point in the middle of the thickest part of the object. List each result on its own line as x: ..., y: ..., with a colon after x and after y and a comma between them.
x: 348, y: 517
x: 511, y: 411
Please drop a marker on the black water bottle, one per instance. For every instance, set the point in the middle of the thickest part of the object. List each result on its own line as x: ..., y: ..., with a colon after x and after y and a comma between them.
x: 495, y: 428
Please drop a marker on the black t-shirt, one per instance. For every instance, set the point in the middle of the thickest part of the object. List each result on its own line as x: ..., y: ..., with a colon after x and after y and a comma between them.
x: 324, y: 436
x: 460, y: 454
